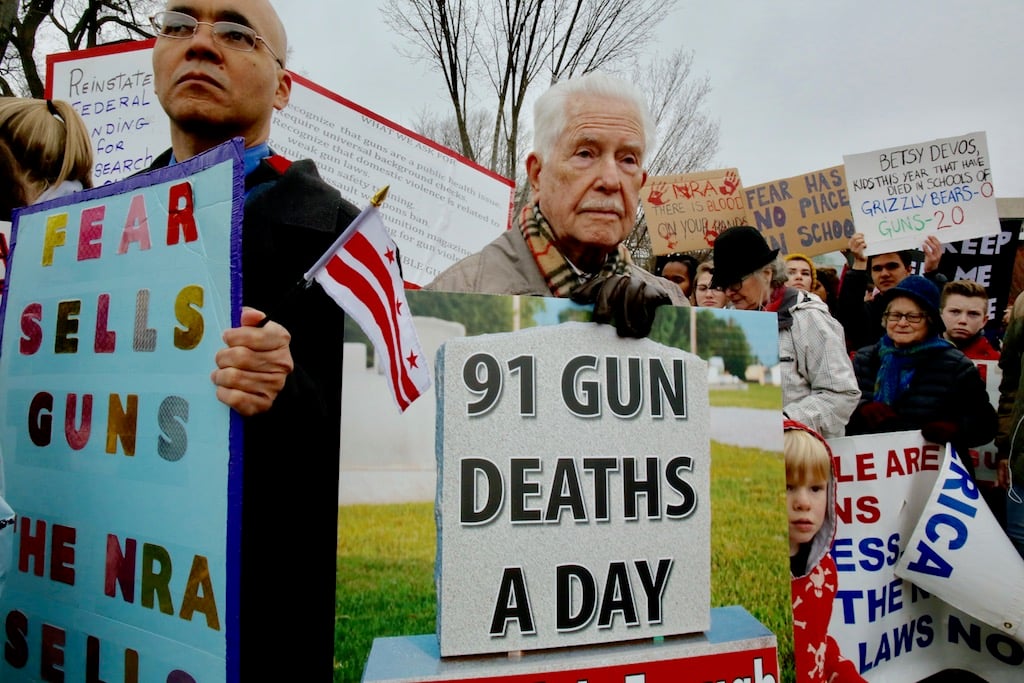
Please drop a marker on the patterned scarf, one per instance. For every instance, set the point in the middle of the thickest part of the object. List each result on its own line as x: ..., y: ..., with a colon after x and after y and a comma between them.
x: 559, y: 274
x: 897, y: 368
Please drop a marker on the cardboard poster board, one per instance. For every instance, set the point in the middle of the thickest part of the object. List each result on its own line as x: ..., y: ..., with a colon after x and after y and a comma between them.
x: 687, y: 211
x: 118, y: 457
x: 807, y: 214
x: 440, y: 206
x: 941, y: 187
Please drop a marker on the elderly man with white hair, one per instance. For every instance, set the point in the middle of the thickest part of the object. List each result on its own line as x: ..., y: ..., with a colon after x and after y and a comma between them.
x: 591, y: 134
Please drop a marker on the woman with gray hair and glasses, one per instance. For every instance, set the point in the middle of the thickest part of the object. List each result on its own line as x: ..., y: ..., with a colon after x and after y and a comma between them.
x: 913, y: 379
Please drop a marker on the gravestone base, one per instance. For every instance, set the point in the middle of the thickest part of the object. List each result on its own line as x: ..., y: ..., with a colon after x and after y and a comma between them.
x: 736, y: 647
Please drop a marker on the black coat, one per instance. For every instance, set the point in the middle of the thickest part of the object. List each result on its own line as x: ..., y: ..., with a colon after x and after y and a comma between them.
x: 946, y: 387
x: 290, y: 454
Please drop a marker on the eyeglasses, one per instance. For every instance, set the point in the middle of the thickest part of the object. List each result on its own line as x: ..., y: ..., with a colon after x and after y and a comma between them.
x: 735, y: 287
x: 227, y: 33
x: 912, y: 318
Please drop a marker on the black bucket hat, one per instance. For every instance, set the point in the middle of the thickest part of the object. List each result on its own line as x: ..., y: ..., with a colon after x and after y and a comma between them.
x: 738, y: 252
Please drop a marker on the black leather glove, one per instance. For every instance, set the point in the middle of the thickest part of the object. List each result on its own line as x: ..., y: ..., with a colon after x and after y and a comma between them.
x: 627, y: 302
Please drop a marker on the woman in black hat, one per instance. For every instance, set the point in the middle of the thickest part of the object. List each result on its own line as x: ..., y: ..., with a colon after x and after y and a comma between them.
x: 912, y: 378
x: 819, y: 388
x: 743, y: 268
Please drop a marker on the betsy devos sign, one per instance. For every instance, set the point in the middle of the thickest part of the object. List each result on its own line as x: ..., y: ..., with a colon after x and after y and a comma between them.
x: 117, y: 452
x: 942, y: 187
x: 574, y: 490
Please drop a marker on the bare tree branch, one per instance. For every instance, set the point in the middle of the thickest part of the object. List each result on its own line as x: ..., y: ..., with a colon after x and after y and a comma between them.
x: 522, y: 40
x: 526, y: 40
x: 687, y: 137
x: 444, y: 33
x: 606, y: 32
x: 24, y: 42
x: 37, y: 27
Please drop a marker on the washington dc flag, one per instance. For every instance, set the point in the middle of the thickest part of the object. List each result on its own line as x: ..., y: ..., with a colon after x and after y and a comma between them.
x: 360, y: 272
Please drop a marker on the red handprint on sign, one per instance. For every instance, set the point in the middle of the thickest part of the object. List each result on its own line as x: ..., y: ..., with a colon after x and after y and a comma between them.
x: 730, y: 183
x: 657, y: 197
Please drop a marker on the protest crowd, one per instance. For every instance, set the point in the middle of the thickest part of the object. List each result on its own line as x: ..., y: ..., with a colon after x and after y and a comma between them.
x: 884, y: 343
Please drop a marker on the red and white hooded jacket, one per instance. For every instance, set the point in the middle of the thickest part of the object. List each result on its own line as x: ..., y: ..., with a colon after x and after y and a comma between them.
x: 816, y: 653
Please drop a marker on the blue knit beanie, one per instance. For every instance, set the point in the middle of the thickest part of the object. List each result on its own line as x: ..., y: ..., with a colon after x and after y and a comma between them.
x: 923, y: 291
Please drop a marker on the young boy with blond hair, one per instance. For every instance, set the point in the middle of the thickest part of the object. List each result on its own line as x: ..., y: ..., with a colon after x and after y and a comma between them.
x: 811, y: 510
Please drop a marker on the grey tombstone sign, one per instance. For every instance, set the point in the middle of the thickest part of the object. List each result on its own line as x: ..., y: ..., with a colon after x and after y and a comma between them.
x: 573, y: 502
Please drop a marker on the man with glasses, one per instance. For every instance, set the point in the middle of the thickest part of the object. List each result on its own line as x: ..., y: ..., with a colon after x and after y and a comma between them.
x: 858, y: 308
x: 219, y: 73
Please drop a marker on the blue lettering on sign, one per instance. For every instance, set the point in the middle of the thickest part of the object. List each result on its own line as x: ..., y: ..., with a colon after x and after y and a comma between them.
x: 918, y: 632
x: 999, y: 645
x: 873, y: 553
x: 948, y: 529
x: 872, y: 604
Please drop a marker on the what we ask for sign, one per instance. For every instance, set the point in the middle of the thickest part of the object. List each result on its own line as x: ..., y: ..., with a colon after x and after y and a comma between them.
x: 440, y: 206
x: 117, y: 452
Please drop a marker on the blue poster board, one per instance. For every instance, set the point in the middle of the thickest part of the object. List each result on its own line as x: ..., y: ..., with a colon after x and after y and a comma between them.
x: 120, y: 462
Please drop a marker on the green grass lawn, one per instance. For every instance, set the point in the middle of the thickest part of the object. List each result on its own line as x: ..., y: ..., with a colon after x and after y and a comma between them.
x: 764, y: 396
x: 386, y: 558
x: 385, y: 579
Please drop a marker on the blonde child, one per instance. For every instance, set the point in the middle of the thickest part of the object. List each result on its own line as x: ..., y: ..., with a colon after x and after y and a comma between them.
x: 811, y: 509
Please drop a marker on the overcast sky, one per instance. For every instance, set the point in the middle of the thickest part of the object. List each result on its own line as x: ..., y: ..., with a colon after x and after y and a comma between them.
x: 796, y: 84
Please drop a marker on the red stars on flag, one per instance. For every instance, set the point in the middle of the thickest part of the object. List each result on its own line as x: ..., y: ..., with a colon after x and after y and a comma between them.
x: 360, y: 272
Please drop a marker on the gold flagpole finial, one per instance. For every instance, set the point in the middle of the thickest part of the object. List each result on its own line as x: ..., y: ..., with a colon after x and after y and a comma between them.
x: 378, y: 198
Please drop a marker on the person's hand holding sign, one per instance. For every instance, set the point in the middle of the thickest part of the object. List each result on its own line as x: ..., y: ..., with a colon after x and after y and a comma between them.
x: 253, y: 368
x: 932, y: 249
x: 858, y: 245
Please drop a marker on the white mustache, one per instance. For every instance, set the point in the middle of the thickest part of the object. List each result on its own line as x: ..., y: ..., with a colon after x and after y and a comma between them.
x: 608, y: 205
